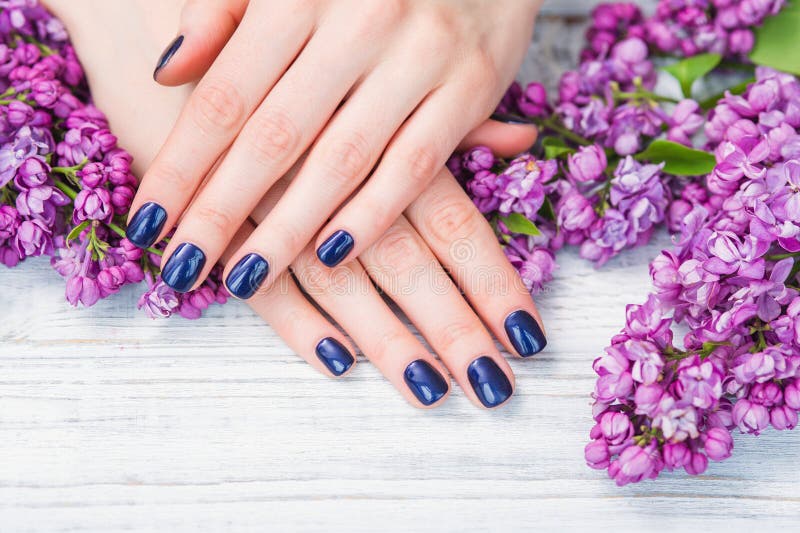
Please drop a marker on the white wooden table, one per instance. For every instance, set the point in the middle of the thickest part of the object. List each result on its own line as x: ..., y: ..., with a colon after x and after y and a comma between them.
x: 111, y: 422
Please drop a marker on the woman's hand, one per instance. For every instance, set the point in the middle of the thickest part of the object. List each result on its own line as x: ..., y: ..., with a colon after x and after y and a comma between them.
x: 374, y: 94
x: 441, y: 232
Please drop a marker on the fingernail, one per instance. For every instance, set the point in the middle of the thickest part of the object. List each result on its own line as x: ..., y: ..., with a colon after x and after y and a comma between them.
x: 425, y: 382
x: 183, y: 267
x: 489, y: 382
x: 515, y: 120
x: 336, y: 248
x: 168, y: 54
x: 334, y: 356
x: 247, y: 276
x: 146, y: 225
x: 525, y: 334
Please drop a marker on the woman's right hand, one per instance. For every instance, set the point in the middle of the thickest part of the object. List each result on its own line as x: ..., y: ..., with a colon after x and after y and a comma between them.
x: 441, y: 233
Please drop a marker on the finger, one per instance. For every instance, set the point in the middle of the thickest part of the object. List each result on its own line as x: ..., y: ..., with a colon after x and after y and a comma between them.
x: 302, y: 327
x: 213, y: 116
x: 506, y: 139
x: 419, y: 150
x: 405, y: 268
x: 275, y: 136
x: 205, y: 27
x: 466, y: 245
x: 341, y: 158
x: 347, y: 294
x: 349, y: 297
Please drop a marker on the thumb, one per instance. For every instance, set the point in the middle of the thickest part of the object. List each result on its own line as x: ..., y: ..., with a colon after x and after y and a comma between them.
x: 205, y: 27
x: 505, y: 137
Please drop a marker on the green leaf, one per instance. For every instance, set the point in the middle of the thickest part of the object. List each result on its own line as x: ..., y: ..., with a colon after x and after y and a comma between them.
x: 519, y: 223
x: 547, y: 211
x: 778, y: 39
x: 76, y: 231
x: 555, y: 147
x: 692, y: 69
x: 739, y: 88
x: 679, y: 160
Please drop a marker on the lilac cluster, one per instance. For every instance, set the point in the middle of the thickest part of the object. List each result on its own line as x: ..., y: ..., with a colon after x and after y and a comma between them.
x: 65, y: 185
x: 682, y: 27
x: 725, y: 27
x: 732, y: 279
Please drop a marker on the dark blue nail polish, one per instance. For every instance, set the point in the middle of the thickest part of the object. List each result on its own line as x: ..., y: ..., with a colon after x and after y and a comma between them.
x: 490, y: 383
x: 514, y: 120
x: 247, y: 276
x: 524, y: 333
x: 425, y: 382
x: 336, y: 248
x: 146, y: 225
x: 168, y: 54
x: 335, y: 356
x: 183, y: 267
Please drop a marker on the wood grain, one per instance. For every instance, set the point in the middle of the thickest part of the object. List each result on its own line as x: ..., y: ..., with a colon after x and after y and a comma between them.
x: 112, y: 422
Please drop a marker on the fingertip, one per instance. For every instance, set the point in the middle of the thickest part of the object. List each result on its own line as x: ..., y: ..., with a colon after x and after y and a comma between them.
x: 506, y: 136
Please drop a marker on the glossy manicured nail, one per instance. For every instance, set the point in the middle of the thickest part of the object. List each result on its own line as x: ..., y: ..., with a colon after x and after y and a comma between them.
x: 425, y: 382
x: 146, y: 225
x: 168, y: 54
x: 183, y: 267
x: 247, y: 276
x: 489, y: 381
x: 334, y: 356
x: 336, y: 248
x: 525, y: 334
x: 511, y: 119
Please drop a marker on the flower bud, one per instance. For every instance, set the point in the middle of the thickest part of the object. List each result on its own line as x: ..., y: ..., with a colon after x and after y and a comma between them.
x: 588, y: 164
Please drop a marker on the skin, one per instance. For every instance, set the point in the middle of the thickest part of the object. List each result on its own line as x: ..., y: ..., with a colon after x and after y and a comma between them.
x: 373, y: 131
x: 408, y: 261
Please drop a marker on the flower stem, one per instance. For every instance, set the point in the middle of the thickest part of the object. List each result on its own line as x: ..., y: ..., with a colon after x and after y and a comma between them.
x: 121, y: 232
x: 66, y: 189
x: 553, y: 124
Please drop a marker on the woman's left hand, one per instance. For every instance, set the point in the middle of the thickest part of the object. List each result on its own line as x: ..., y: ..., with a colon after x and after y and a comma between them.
x: 378, y: 92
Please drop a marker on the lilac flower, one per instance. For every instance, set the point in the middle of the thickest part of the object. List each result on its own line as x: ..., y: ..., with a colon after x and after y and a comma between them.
x: 477, y: 159
x: 699, y: 383
x: 522, y: 186
x: 160, y: 301
x: 93, y: 204
x: 82, y: 290
x: 718, y: 444
x: 33, y: 238
x: 686, y: 120
x: 482, y: 187
x: 597, y: 454
x: 9, y: 223
x: 533, y: 101
x: 750, y: 417
x: 534, y: 263
x: 635, y: 464
x: 587, y: 164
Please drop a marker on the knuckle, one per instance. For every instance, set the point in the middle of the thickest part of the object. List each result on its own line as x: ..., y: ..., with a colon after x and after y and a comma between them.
x: 451, y: 218
x: 218, y: 106
x: 454, y: 333
x: 443, y: 19
x: 289, y: 238
x: 273, y: 137
x: 318, y: 280
x: 387, y: 345
x: 375, y: 18
x: 423, y: 163
x: 398, y: 250
x: 485, y: 71
x: 349, y: 159
x: 169, y: 177
x: 218, y: 219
